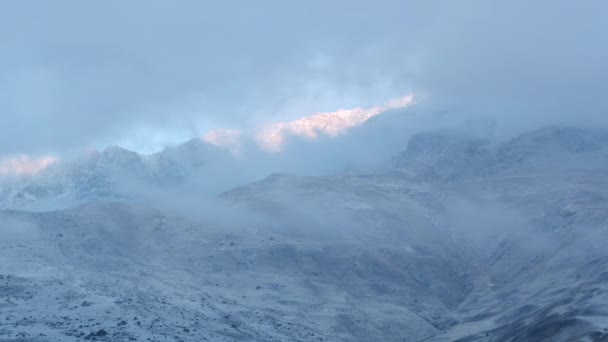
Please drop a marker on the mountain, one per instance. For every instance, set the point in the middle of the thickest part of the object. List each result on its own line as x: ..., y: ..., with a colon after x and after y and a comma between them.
x: 111, y: 174
x: 505, y: 248
x: 460, y: 239
x: 204, y: 164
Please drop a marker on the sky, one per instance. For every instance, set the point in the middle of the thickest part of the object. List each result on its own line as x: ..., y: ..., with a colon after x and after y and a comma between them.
x: 145, y: 73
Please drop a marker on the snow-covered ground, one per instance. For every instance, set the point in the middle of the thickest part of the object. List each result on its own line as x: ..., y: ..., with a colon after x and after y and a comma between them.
x: 458, y: 239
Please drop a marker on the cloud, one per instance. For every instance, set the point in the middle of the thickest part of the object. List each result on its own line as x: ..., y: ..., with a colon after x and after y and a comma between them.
x: 76, y: 75
x: 24, y: 165
x: 227, y: 138
x: 518, y: 63
x: 14, y: 228
x: 273, y: 136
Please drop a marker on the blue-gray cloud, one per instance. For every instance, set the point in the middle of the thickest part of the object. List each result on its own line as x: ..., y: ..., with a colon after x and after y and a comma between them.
x: 76, y: 73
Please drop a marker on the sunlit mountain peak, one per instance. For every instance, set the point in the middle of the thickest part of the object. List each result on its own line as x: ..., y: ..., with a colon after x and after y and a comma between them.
x: 271, y: 137
x: 25, y: 165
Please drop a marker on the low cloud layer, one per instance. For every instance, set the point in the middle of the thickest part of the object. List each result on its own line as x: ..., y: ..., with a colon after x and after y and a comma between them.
x: 272, y: 137
x: 24, y: 165
x: 75, y: 75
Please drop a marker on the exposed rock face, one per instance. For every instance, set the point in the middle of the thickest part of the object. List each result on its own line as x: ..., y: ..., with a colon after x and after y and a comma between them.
x: 445, y: 156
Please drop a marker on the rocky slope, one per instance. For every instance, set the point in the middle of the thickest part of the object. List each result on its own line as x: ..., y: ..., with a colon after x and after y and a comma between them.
x: 460, y: 240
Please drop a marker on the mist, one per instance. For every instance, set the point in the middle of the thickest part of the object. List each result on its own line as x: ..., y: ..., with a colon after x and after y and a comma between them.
x: 148, y: 73
x: 303, y: 171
